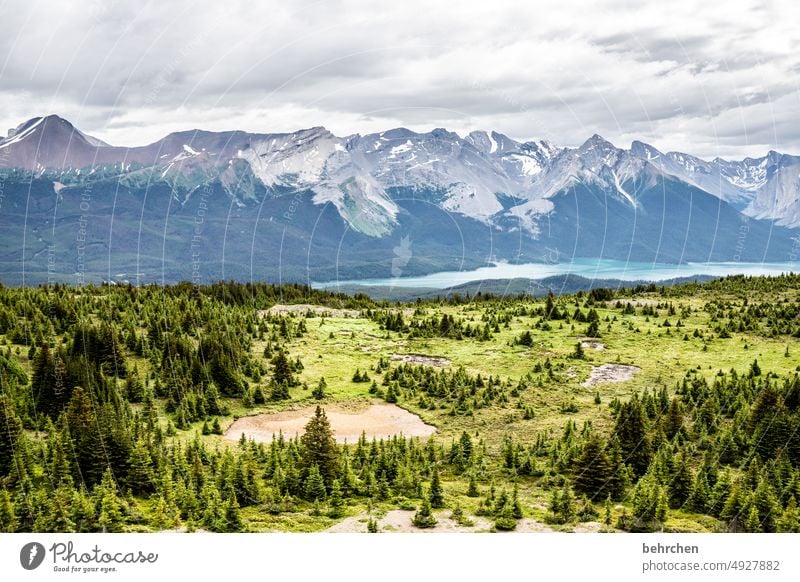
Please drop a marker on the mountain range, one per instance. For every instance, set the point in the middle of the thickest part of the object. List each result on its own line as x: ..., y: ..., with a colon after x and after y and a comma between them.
x: 312, y: 206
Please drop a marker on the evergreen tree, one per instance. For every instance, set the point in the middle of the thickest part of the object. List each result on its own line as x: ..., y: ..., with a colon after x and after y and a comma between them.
x: 10, y: 432
x: 424, y: 517
x: 593, y: 471
x: 436, y: 494
x: 504, y: 517
x: 562, y: 505
x: 682, y: 484
x: 87, y: 442
x: 319, y: 391
x: 8, y: 518
x: 314, y: 488
x: 232, y: 516
x: 607, y: 519
x: 282, y: 370
x: 140, y: 473
x: 634, y: 441
x: 752, y: 523
x: 649, y: 505
x: 109, y: 506
x: 336, y: 500
x: 319, y: 447
x: 789, y: 521
x: 516, y: 506
x: 134, y: 387
x: 473, y: 491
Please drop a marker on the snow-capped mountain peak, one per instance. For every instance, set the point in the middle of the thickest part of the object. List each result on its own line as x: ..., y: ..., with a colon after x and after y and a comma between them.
x: 485, y: 175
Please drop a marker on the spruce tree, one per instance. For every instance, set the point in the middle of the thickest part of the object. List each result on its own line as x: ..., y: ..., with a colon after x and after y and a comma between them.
x: 319, y: 447
x: 10, y: 432
x: 752, y: 523
x: 314, y: 487
x: 516, y: 506
x: 607, y: 511
x: 282, y: 370
x: 436, y: 494
x: 682, y: 484
x: 788, y: 522
x: 593, y: 471
x: 504, y: 517
x: 424, y: 517
x: 8, y: 518
x: 109, y: 506
x: 232, y: 517
x: 472, y: 490
x: 336, y: 500
x: 319, y: 390
x: 140, y: 472
x: 634, y: 441
x: 86, y: 439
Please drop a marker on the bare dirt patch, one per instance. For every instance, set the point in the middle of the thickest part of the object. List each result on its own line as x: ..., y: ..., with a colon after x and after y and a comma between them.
x: 437, y: 361
x: 303, y: 308
x: 593, y: 345
x: 377, y: 420
x: 610, y: 373
x: 399, y: 521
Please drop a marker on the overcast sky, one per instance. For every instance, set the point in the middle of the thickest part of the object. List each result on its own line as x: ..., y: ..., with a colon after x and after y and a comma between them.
x: 700, y: 77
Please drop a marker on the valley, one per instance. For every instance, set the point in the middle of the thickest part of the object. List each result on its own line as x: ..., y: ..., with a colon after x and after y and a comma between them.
x: 252, y: 407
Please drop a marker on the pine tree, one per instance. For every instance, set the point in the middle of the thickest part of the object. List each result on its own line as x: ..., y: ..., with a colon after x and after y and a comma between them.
x: 649, y: 504
x: 424, y: 518
x: 140, y: 473
x: 562, y: 505
x: 789, y: 521
x: 314, y: 487
x: 473, y: 491
x: 134, y: 387
x: 516, y: 506
x: 319, y: 447
x: 278, y: 391
x: 593, y: 471
x: 8, y: 518
x: 319, y: 391
x: 86, y: 440
x: 634, y: 441
x: 674, y: 422
x: 232, y: 517
x: 10, y: 432
x: 752, y: 523
x: 436, y: 494
x: 109, y: 506
x: 282, y: 370
x: 682, y: 484
x: 607, y: 519
x: 336, y: 500
x: 504, y: 515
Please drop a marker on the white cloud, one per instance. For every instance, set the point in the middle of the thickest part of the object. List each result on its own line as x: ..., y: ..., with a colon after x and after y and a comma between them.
x: 708, y: 78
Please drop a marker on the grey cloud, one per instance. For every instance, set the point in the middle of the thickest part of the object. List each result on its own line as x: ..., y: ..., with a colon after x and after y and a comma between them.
x: 676, y: 72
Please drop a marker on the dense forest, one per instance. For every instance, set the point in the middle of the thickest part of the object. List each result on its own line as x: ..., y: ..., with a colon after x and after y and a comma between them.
x: 116, y: 403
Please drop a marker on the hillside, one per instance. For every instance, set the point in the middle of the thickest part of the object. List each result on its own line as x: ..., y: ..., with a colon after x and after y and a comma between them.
x: 646, y: 409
